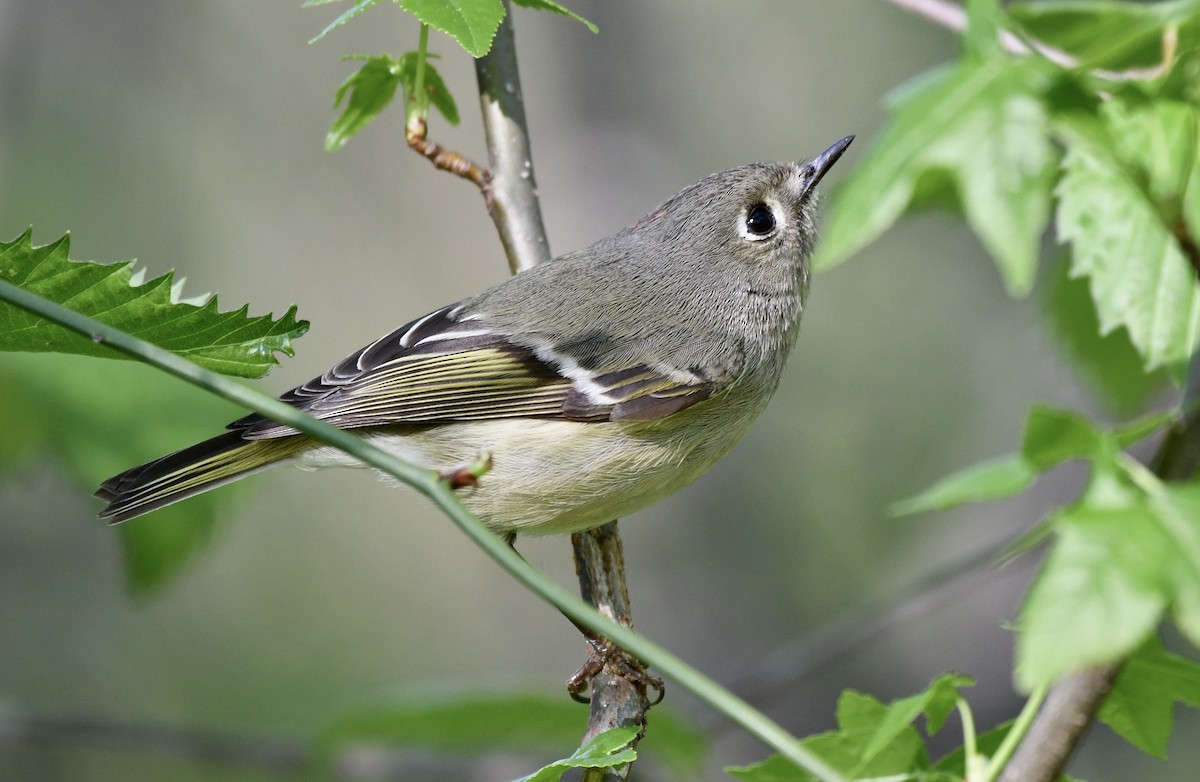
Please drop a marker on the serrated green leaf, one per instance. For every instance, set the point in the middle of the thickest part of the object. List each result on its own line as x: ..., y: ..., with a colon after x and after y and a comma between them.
x: 473, y: 23
x: 1104, y: 33
x: 1053, y: 436
x: 358, y: 8
x: 550, y: 5
x: 936, y: 702
x: 229, y: 342
x: 984, y: 126
x: 1109, y: 362
x: 1120, y: 203
x: 859, y: 718
x: 96, y: 428
x: 1140, y: 706
x: 1099, y: 594
x: 371, y: 88
x: 609, y: 749
x: 990, y: 480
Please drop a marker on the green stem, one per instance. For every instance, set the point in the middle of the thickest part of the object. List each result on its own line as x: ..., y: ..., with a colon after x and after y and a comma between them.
x: 1014, y: 736
x: 970, y: 750
x: 418, y: 103
x: 427, y: 483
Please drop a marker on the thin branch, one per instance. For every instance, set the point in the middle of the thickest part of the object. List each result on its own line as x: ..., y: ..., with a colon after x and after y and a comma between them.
x: 618, y: 695
x: 447, y: 159
x: 618, y: 699
x: 1058, y: 728
x: 514, y: 206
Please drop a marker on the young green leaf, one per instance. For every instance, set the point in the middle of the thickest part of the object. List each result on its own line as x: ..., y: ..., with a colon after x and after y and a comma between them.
x: 228, y: 342
x: 358, y: 7
x: 936, y: 702
x: 550, y: 5
x: 373, y: 86
x: 1109, y: 362
x: 1054, y: 436
x: 944, y: 693
x: 1140, y: 706
x: 982, y: 126
x: 608, y: 750
x: 435, y: 88
x: 473, y: 23
x: 990, y: 480
x: 1122, y: 207
x: 1099, y: 593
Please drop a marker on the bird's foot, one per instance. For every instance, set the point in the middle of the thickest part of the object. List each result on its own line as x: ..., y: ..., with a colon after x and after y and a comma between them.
x: 604, y: 654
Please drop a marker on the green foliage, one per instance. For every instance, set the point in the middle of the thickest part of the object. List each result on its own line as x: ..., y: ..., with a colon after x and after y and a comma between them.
x: 981, y: 135
x: 228, y: 342
x: 1124, y: 204
x: 980, y: 129
x: 873, y: 740
x: 1126, y: 554
x: 1106, y: 33
x: 1141, y: 704
x: 473, y: 23
x: 990, y: 480
x: 611, y: 749
x: 372, y: 87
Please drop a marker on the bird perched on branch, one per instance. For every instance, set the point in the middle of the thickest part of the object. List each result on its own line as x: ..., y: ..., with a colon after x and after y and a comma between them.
x: 597, y: 383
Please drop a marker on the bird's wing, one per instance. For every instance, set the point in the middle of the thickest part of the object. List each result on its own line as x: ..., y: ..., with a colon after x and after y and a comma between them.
x: 445, y: 367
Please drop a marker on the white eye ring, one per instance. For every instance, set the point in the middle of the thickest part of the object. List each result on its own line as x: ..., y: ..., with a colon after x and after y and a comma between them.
x: 761, y: 220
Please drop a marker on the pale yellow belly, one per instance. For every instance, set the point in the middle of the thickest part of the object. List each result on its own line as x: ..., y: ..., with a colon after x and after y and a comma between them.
x: 553, y: 476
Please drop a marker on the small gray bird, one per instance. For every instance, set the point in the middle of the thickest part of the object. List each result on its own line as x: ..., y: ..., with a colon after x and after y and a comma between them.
x: 598, y: 383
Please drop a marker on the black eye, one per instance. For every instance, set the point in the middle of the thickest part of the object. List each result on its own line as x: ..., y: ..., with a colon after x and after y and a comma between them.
x: 760, y: 220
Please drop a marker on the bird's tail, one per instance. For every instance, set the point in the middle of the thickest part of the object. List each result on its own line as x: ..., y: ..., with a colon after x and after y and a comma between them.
x: 193, y: 470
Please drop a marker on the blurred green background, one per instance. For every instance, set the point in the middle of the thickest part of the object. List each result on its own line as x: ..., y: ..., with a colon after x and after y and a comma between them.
x: 189, y: 135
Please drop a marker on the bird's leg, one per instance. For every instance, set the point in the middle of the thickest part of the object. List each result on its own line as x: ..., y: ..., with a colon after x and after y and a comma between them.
x: 614, y: 674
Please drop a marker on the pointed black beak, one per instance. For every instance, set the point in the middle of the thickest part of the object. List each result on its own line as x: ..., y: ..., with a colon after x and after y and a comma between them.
x: 822, y: 163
